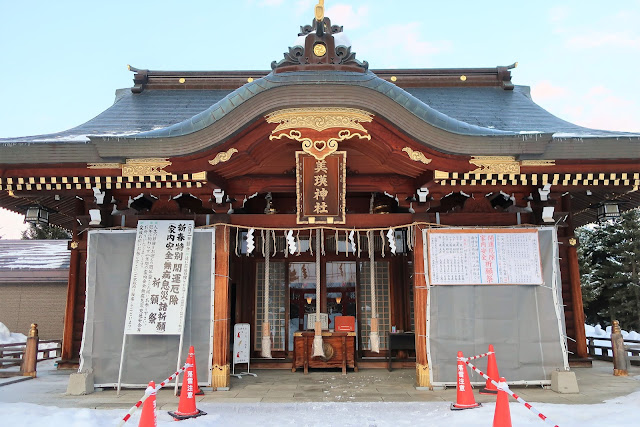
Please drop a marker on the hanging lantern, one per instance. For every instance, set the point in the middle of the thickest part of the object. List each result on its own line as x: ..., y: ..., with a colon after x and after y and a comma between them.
x: 608, y: 210
x: 338, y: 300
x: 37, y: 214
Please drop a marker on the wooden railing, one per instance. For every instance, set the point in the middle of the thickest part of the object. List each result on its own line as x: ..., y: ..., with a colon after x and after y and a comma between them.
x: 632, y: 346
x: 12, y: 354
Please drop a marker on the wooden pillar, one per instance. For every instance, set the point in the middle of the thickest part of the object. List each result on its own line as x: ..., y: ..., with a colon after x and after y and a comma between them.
x: 30, y: 357
x: 576, y: 302
x: 574, y: 283
x: 420, y: 311
x: 220, y: 377
x: 72, y: 284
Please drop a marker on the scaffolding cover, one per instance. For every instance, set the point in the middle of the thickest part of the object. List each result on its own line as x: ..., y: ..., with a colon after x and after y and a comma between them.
x: 147, y: 357
x: 525, y: 323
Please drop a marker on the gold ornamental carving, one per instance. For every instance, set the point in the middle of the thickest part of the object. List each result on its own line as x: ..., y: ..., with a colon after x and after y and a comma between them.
x: 416, y: 156
x: 145, y: 167
x: 537, y: 163
x: 319, y: 149
x: 319, y: 119
x: 104, y: 165
x: 223, y: 156
x: 305, y: 124
x: 495, y: 164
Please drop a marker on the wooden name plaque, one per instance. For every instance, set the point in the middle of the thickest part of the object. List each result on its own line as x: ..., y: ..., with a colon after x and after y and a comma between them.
x: 339, y: 351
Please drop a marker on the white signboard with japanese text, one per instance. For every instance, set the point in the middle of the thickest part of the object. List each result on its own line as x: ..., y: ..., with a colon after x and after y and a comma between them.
x: 484, y: 257
x: 159, y: 277
x: 241, y: 333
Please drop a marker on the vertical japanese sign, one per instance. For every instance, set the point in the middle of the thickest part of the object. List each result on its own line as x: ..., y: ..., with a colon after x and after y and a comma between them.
x: 321, y: 188
x: 488, y: 257
x: 241, y: 332
x: 159, y: 278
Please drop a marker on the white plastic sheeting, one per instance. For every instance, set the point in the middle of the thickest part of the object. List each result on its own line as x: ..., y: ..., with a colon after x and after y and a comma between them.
x: 147, y: 357
x: 525, y: 324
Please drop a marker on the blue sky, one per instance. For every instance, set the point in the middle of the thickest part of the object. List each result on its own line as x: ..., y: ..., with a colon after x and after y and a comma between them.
x: 61, y: 62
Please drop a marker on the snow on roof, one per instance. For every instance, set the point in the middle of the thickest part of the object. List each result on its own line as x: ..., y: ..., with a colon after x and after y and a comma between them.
x: 34, y: 254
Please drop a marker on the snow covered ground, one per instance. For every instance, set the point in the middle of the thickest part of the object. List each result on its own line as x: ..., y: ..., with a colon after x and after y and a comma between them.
x: 622, y: 411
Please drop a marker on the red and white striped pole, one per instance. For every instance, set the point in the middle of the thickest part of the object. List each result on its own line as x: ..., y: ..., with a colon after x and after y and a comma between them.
x: 479, y: 356
x: 505, y: 387
x: 141, y: 401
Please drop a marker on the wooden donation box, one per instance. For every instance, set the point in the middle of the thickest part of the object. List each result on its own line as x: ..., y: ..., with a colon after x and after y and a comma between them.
x: 339, y: 351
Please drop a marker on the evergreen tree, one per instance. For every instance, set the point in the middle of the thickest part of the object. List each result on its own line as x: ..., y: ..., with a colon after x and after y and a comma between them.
x: 44, y: 232
x: 609, y: 257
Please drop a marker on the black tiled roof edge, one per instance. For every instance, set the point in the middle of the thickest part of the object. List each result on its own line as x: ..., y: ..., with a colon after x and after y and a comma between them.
x: 419, y: 101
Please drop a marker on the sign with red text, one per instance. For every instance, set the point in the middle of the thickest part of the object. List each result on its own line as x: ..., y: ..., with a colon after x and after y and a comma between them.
x: 487, y: 257
x: 321, y: 188
x: 159, y: 278
x: 241, y: 333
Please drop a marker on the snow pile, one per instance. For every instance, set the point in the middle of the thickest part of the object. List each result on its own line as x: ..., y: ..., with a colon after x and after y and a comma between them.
x: 8, y: 337
x: 597, y: 332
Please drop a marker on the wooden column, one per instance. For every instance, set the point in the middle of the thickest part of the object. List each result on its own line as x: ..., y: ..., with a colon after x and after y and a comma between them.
x: 574, y: 282
x: 420, y: 311
x: 67, y: 335
x: 220, y: 377
x: 576, y: 300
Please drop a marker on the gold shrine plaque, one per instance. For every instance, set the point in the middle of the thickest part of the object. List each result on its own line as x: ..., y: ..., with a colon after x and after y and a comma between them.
x: 319, y: 49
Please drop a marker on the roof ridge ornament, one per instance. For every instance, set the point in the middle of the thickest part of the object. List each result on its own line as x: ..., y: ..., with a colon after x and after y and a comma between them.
x: 321, y: 51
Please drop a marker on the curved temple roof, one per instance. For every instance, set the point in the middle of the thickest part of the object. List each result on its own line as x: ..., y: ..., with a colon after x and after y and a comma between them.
x: 474, y: 111
x: 464, y: 110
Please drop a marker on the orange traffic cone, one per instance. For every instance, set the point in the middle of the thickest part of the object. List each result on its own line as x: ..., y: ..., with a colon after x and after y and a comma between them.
x: 199, y: 392
x: 492, y: 371
x: 464, y: 397
x: 148, y: 416
x: 187, y: 404
x: 502, y: 416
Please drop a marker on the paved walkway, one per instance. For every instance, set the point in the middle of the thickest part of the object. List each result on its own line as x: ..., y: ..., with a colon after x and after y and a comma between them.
x: 279, y: 386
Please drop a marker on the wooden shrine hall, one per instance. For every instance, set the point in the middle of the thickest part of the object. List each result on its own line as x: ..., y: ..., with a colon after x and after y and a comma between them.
x: 336, y: 210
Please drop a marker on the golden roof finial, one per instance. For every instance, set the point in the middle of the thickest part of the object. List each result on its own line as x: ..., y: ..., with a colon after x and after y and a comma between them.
x: 320, y: 11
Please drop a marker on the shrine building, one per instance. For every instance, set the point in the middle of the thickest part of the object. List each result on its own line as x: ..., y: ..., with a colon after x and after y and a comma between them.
x: 340, y: 213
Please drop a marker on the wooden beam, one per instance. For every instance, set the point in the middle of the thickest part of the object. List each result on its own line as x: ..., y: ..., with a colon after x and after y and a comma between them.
x: 220, y: 376
x: 420, y: 310
x: 356, y: 221
x: 217, y: 180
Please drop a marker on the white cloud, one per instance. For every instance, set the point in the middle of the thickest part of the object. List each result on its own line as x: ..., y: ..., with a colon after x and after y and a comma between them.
x: 600, y: 39
x: 343, y: 14
x: 398, y: 45
x: 545, y: 90
x: 604, y: 110
x: 596, y: 107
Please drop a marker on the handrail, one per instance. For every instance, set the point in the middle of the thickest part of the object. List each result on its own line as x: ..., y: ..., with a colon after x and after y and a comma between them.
x: 607, y: 352
x: 11, y: 354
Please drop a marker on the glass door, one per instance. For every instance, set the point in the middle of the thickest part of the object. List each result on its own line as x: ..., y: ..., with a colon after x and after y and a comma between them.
x: 302, y: 296
x: 341, y: 289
